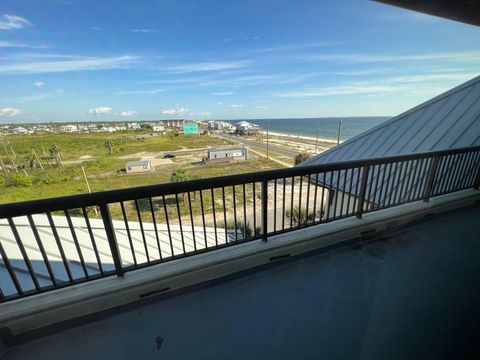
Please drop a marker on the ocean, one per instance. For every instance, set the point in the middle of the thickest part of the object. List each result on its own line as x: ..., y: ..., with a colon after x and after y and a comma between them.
x: 327, y: 127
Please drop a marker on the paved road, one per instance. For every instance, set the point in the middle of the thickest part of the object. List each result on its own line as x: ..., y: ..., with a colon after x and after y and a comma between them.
x: 273, y: 148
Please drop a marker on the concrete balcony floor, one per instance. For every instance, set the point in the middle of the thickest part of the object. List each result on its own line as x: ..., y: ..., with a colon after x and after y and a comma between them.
x: 414, y: 294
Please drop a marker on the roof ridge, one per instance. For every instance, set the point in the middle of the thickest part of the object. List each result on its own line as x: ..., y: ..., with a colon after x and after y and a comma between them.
x: 400, y: 116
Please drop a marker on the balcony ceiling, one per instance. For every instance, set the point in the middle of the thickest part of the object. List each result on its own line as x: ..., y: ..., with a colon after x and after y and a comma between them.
x: 467, y: 11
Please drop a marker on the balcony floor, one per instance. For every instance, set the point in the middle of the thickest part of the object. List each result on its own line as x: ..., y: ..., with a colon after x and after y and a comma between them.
x: 413, y: 295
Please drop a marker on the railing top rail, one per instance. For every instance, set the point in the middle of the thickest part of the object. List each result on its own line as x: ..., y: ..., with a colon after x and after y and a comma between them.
x: 111, y: 196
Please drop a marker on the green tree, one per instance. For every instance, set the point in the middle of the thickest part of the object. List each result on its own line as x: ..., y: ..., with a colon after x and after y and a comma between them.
x: 180, y: 175
x: 301, y: 157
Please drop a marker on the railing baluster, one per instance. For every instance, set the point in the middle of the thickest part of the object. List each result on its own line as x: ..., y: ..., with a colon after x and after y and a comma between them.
x: 265, y: 210
x: 291, y: 202
x: 112, y: 241
x: 92, y: 239
x: 11, y: 270
x: 235, y: 212
x: 431, y: 178
x: 476, y: 182
x: 191, y: 220
x: 300, y: 202
x: 308, y: 198
x: 322, y: 199
x: 214, y: 217
x: 129, y: 235
x: 336, y: 195
x: 363, y: 189
x: 140, y: 222
x: 42, y: 250
x: 275, y: 206
x: 350, y: 190
x: 168, y: 225
x: 315, y: 192
x: 225, y: 216
x: 283, y: 203
x: 156, y: 229
x: 245, y: 213
x: 59, y: 246
x: 203, y: 220
x: 331, y: 195
x: 180, y: 223
x: 77, y: 244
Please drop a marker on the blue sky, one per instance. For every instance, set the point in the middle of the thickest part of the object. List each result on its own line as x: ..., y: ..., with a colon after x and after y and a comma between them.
x: 81, y: 60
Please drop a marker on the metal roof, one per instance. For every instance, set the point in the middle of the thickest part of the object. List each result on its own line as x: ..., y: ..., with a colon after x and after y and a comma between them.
x: 138, y: 163
x: 448, y: 121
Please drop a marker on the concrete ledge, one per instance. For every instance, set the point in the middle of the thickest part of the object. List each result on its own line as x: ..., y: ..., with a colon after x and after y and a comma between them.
x: 37, y: 311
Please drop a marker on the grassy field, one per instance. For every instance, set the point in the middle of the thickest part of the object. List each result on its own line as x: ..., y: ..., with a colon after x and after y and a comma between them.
x: 104, y: 171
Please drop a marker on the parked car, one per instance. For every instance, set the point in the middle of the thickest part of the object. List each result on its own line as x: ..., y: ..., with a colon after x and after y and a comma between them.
x: 169, y: 156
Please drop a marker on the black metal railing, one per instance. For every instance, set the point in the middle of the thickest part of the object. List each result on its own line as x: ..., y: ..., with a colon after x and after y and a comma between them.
x: 52, y: 243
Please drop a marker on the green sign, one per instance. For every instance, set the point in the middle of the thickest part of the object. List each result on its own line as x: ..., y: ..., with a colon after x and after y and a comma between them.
x: 190, y: 129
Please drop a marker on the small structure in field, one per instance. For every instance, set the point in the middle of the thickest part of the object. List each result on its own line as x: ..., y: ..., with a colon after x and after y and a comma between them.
x: 227, y: 154
x: 139, y: 166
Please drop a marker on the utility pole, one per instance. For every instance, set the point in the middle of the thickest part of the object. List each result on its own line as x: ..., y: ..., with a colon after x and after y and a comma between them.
x: 339, y: 129
x: 268, y: 128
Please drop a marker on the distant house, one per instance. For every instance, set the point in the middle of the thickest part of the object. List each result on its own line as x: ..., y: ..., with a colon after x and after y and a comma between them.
x: 158, y: 128
x: 230, y: 153
x: 20, y: 130
x: 138, y: 166
x: 69, y: 128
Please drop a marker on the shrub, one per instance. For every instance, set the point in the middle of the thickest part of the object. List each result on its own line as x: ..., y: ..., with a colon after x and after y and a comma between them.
x: 299, y: 215
x: 248, y: 232
x: 19, y: 180
x: 301, y: 157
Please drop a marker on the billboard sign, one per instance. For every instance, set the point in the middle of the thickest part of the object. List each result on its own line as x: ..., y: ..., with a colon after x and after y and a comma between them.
x: 190, y: 129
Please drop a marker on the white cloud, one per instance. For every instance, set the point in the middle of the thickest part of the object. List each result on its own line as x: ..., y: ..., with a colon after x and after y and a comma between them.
x: 64, y: 63
x: 96, y: 28
x: 422, y: 84
x: 175, y: 111
x: 236, y: 106
x: 261, y: 107
x: 13, y: 22
x: 8, y: 44
x: 208, y: 66
x: 224, y: 93
x: 128, y: 113
x: 204, y: 113
x: 140, y: 92
x: 100, y: 110
x: 217, y: 103
x: 38, y: 84
x: 472, y: 56
x: 8, y: 112
x: 142, y: 31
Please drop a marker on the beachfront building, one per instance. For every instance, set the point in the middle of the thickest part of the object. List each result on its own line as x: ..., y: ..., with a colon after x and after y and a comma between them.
x: 246, y: 128
x: 140, y: 166
x: 448, y: 121
x: 173, y: 123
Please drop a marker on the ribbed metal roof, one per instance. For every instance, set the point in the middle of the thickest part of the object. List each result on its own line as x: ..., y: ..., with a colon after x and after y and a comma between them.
x: 448, y: 121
